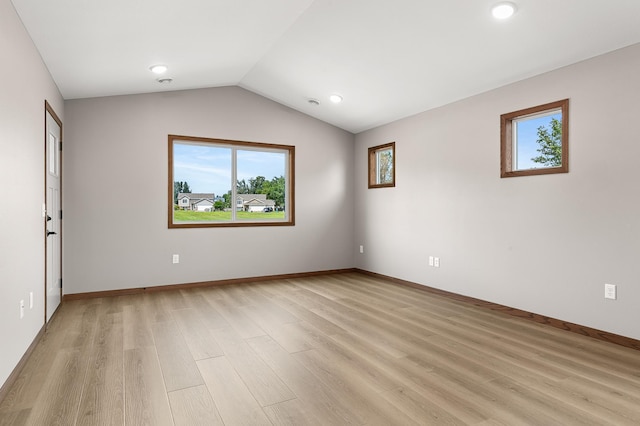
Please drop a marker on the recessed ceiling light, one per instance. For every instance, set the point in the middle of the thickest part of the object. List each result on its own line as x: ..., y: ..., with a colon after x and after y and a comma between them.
x: 503, y: 10
x: 159, y: 69
x: 165, y: 80
x: 336, y: 99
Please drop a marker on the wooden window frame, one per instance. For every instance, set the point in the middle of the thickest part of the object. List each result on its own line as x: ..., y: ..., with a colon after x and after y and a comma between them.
x: 506, y: 140
x: 290, y: 183
x: 373, y: 165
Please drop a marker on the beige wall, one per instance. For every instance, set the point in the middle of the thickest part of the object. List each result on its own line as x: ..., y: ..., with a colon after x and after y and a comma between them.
x: 26, y: 84
x: 116, y: 233
x: 545, y: 244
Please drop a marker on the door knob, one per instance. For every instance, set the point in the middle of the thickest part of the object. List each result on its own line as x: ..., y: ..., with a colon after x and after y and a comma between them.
x: 50, y: 233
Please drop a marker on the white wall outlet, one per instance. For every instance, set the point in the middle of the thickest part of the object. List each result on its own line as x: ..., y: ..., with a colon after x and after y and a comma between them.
x: 430, y: 260
x: 610, y: 291
x: 436, y: 262
x: 361, y: 249
x: 30, y: 300
x: 21, y: 309
x: 176, y: 258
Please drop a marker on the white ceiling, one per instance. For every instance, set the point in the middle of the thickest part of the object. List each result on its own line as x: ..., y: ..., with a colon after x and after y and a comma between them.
x: 388, y: 58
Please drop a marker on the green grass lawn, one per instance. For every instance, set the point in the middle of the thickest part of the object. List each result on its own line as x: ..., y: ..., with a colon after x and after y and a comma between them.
x: 191, y: 216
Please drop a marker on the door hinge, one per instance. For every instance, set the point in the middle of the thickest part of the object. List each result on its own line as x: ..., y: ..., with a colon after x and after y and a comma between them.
x: 60, y: 145
x: 60, y: 282
x: 60, y: 214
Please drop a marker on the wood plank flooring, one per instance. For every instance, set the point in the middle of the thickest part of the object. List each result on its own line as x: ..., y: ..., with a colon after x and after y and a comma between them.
x: 343, y: 349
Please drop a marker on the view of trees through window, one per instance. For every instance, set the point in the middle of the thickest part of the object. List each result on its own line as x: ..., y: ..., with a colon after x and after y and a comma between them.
x: 538, y: 141
x: 535, y: 140
x: 385, y: 166
x: 202, y: 172
x: 382, y: 162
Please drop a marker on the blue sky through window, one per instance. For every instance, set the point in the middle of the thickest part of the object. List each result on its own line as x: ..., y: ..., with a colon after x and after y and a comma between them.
x: 527, y: 135
x: 260, y: 163
x: 207, y: 168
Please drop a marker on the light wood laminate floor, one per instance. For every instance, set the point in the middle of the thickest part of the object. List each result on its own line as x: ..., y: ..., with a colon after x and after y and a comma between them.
x: 337, y: 350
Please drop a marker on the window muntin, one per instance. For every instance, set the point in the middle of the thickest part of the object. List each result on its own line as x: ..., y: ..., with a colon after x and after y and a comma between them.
x: 534, y: 141
x: 382, y: 166
x: 220, y: 174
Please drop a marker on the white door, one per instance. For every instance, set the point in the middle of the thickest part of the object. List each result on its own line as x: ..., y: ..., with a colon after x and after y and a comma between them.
x: 53, y: 230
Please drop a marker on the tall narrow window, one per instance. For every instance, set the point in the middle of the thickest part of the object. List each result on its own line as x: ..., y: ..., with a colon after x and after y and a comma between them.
x: 382, y: 166
x: 534, y: 141
x: 214, y: 182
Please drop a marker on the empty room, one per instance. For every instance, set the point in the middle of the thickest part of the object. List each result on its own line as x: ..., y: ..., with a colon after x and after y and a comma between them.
x: 310, y: 212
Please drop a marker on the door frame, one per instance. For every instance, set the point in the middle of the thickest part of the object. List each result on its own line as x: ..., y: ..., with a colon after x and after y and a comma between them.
x: 48, y: 109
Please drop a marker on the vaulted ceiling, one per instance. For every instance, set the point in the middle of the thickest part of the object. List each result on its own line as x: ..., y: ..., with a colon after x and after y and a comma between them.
x: 388, y: 59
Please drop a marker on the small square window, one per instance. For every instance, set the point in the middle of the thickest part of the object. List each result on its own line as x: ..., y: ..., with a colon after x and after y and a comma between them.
x: 382, y: 166
x: 534, y: 141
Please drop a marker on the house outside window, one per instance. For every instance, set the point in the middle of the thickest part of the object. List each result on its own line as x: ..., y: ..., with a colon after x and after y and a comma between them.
x: 257, y: 179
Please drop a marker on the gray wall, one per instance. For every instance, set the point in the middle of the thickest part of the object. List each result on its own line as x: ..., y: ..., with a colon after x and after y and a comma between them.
x: 545, y: 244
x: 115, y: 203
x: 26, y: 84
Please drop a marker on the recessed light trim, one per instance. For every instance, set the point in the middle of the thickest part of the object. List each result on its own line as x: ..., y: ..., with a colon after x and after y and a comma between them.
x: 314, y: 102
x: 159, y: 69
x: 503, y: 10
x: 336, y: 99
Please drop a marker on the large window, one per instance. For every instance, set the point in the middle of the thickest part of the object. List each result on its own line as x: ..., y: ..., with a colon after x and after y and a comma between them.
x: 534, y: 141
x: 215, y: 182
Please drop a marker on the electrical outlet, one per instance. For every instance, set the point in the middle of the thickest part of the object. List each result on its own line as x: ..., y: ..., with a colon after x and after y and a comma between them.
x: 361, y: 249
x: 176, y: 258
x: 610, y: 291
x: 21, y: 309
x: 436, y: 262
x: 430, y: 260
